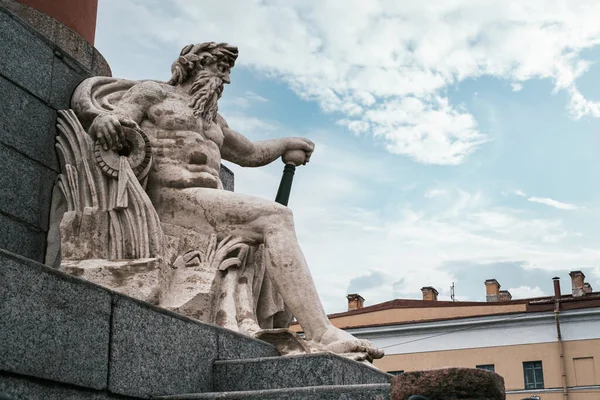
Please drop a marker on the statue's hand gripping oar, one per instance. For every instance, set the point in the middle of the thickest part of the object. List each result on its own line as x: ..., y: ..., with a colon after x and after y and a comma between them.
x: 291, y: 159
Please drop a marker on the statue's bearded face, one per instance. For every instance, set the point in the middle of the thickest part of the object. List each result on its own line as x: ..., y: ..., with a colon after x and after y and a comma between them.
x: 207, y: 88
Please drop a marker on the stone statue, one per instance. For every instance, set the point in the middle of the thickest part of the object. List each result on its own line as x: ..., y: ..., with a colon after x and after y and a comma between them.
x: 140, y: 207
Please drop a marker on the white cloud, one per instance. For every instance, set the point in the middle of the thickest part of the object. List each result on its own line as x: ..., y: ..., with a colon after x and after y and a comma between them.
x: 246, y: 101
x: 384, y: 67
x: 387, y: 76
x: 255, y: 97
x: 516, y: 87
x: 435, y: 193
x: 553, y: 203
x: 410, y: 243
x: 524, y: 292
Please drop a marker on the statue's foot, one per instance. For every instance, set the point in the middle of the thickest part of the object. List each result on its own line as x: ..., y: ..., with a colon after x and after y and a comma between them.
x: 341, y: 342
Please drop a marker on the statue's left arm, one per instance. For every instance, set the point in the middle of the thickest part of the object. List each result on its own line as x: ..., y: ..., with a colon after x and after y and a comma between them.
x: 240, y: 150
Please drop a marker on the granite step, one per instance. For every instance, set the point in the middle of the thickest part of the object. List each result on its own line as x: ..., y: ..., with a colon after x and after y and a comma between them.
x: 373, y: 391
x: 306, y: 370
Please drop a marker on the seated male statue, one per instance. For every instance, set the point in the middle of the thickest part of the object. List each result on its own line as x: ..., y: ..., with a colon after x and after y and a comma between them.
x: 189, y: 139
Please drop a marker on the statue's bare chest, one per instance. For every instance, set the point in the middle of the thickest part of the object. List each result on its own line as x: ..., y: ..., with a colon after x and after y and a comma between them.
x: 173, y: 115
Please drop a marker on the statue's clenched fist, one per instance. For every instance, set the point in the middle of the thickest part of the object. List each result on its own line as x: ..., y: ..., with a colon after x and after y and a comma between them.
x: 294, y: 149
x: 107, y: 129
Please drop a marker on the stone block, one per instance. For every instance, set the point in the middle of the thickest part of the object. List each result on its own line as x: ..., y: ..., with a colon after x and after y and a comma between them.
x: 26, y: 188
x: 39, y: 21
x: 293, y: 371
x: 143, y: 279
x: 66, y: 75
x: 23, y: 388
x: 157, y: 352
x: 27, y: 124
x: 100, y: 66
x: 26, y: 57
x: 233, y: 345
x: 52, y: 326
x: 74, y: 45
x: 227, y: 178
x: 379, y: 391
x: 21, y: 239
x: 449, y: 384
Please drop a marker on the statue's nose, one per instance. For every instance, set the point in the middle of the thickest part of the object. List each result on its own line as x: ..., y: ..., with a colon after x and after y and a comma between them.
x: 226, y: 78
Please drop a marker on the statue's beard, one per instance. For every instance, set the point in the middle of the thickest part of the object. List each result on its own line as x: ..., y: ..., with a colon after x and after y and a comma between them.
x: 206, y: 92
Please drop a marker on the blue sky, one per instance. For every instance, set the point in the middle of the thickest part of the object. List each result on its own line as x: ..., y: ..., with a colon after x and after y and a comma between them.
x: 456, y: 140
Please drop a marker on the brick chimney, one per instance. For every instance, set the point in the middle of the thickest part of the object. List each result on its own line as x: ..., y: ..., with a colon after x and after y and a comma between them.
x: 556, y: 281
x: 504, y: 295
x: 492, y: 290
x: 587, y: 288
x: 577, y: 283
x: 429, y: 293
x: 355, y: 301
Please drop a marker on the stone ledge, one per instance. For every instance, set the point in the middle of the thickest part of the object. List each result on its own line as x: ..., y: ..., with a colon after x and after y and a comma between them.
x: 61, y: 328
x: 377, y: 391
x: 316, y: 369
x: 21, y: 238
x: 16, y: 387
x: 152, y: 354
x: 52, y: 327
x: 449, y: 384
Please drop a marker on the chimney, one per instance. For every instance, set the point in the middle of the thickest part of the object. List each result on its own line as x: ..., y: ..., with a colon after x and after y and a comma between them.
x: 429, y: 293
x: 492, y: 290
x: 556, y: 281
x: 355, y: 301
x: 577, y: 283
x: 504, y: 295
x: 587, y: 288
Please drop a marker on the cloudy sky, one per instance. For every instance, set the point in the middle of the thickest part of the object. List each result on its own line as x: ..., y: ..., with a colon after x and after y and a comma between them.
x: 457, y: 140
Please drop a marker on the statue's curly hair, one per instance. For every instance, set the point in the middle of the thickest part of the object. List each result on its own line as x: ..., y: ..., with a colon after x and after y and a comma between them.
x: 202, y: 53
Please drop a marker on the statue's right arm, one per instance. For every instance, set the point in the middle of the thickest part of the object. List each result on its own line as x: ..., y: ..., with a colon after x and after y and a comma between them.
x: 130, y: 111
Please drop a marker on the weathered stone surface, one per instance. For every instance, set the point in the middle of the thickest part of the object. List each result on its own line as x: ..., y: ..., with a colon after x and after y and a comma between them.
x: 52, y: 326
x: 23, y: 388
x: 22, y: 239
x: 26, y: 188
x: 27, y: 124
x: 155, y: 352
x: 449, y: 384
x: 143, y: 279
x: 66, y: 75
x: 236, y: 346
x: 293, y: 371
x: 74, y: 45
x: 346, y: 392
x: 26, y: 60
x: 39, y: 21
x: 59, y: 34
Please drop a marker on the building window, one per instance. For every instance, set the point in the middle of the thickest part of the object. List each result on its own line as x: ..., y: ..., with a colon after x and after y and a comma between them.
x: 487, y: 367
x: 400, y: 372
x: 533, y: 375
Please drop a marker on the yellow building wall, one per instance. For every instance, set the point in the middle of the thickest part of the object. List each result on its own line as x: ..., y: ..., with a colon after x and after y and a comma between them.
x: 400, y: 315
x: 582, y: 360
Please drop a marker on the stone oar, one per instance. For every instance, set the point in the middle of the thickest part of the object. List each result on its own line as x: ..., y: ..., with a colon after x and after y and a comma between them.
x: 291, y: 159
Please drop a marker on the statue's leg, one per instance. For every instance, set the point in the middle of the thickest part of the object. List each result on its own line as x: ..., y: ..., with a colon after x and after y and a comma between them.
x: 229, y: 213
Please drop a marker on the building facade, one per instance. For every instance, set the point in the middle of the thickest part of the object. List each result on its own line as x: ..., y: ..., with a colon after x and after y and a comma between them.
x: 545, y: 348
